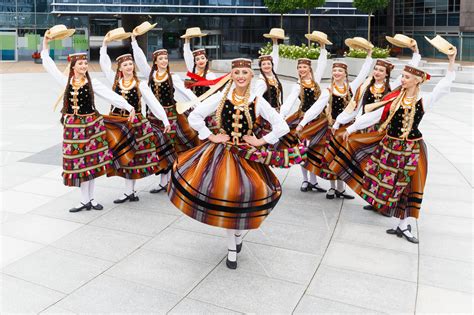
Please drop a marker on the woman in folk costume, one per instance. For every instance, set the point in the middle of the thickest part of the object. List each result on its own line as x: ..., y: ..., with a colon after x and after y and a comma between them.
x: 333, y: 100
x: 390, y: 173
x: 165, y: 86
x: 138, y: 137
x: 86, y: 153
x: 307, y: 91
x: 373, y: 90
x: 220, y: 182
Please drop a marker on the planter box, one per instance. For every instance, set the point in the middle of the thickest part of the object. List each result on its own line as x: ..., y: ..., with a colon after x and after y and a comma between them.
x: 287, y: 67
x: 38, y: 61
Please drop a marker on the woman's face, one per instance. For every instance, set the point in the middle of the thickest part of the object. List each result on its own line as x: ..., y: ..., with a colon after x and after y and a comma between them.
x: 242, y: 77
x: 409, y: 80
x: 303, y: 69
x: 200, y: 61
x: 127, y: 67
x: 266, y: 66
x: 338, y: 74
x: 162, y: 62
x: 380, y: 73
x: 81, y: 66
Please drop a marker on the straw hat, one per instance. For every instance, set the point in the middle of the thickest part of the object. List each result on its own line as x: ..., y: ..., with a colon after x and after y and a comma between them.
x: 401, y: 40
x: 59, y: 31
x: 319, y: 37
x: 117, y: 34
x: 193, y: 32
x: 277, y: 33
x: 359, y: 43
x: 442, y: 45
x: 143, y: 28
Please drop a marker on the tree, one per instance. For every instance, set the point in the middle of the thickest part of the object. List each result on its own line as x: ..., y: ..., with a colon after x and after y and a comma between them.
x: 369, y: 7
x: 309, y: 5
x: 281, y: 7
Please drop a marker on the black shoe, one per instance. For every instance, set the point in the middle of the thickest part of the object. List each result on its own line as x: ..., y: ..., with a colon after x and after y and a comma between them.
x: 397, y: 231
x: 98, y: 206
x: 86, y: 206
x: 317, y: 188
x: 130, y: 197
x: 306, y: 188
x: 329, y: 195
x: 343, y: 195
x: 158, y: 190
x: 369, y: 207
x: 239, y: 246
x: 411, y: 239
x: 231, y: 264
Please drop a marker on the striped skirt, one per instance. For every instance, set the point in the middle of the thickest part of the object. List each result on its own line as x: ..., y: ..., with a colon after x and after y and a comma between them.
x: 215, y: 186
x: 164, y: 147
x: 291, y: 139
x: 133, y: 145
x: 86, y: 153
x: 388, y: 173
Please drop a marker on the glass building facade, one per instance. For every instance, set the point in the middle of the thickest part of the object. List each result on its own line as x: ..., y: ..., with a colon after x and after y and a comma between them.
x: 235, y: 27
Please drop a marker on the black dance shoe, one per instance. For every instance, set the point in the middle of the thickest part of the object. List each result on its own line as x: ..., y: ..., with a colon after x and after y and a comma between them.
x: 98, y: 206
x: 86, y: 206
x: 229, y: 263
x: 317, y: 188
x: 397, y: 231
x: 330, y: 194
x: 158, y: 190
x: 305, y: 188
x: 411, y: 239
x: 130, y: 198
x: 369, y: 207
x: 343, y: 195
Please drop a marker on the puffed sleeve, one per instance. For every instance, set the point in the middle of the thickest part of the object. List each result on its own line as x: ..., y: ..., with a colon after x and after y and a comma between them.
x: 287, y: 106
x: 345, y: 118
x: 322, y: 63
x: 441, y: 89
x: 178, y: 84
x: 52, y: 69
x: 197, y: 117
x: 140, y: 59
x: 275, y: 56
x: 260, y: 87
x: 316, y: 109
x: 106, y: 93
x: 188, y: 56
x: 363, y: 73
x: 106, y: 65
x: 366, y: 120
x: 153, y: 103
x: 279, y: 125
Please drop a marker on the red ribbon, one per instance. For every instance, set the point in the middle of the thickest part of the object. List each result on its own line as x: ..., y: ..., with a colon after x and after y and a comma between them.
x: 200, y: 81
x: 386, y: 110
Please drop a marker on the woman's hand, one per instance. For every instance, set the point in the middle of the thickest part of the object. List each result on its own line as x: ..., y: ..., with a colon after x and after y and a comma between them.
x: 219, y: 138
x: 322, y: 45
x: 133, y: 37
x: 254, y: 141
x: 370, y: 51
x: 131, y: 115
x: 46, y: 41
x: 299, y: 128
x: 345, y: 136
x: 414, y: 47
x: 167, y: 129
x: 275, y: 41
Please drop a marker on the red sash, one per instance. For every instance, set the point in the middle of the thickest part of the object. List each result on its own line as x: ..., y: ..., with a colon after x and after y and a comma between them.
x: 386, y: 110
x: 200, y: 81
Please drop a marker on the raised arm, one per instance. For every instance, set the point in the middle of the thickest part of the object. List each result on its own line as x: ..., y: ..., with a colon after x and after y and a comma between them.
x: 50, y: 66
x: 279, y: 125
x: 414, y: 62
x: 366, y: 67
x: 322, y: 63
x: 178, y: 84
x: 188, y: 55
x: 275, y: 54
x: 106, y: 64
x: 287, y: 106
x: 153, y: 103
x: 442, y: 88
x: 316, y: 108
x: 140, y: 58
x: 197, y: 117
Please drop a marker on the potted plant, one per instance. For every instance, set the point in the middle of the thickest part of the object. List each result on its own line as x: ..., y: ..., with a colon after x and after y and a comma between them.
x: 36, y: 57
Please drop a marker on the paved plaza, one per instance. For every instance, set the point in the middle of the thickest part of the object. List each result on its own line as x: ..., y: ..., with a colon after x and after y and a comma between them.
x: 311, y: 255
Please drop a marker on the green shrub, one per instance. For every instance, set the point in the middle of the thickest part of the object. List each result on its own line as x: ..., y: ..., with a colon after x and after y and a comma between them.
x: 378, y: 53
x: 293, y: 51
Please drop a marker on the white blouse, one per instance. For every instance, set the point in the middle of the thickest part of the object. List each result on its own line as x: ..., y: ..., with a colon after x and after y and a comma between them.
x: 290, y: 104
x: 189, y: 60
x: 261, y: 86
x: 323, y: 100
x: 145, y: 91
x: 440, y: 90
x: 99, y: 88
x: 263, y: 108
x: 182, y: 94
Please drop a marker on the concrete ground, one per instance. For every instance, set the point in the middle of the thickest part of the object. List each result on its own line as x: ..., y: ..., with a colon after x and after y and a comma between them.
x: 311, y: 255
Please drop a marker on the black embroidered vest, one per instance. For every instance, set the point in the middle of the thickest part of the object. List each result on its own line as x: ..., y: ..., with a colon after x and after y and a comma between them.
x: 399, y: 121
x: 79, y: 101
x: 370, y: 98
x: 338, y: 105
x: 271, y: 95
x: 163, y: 92
x: 311, y: 95
x: 132, y: 97
x: 235, y: 123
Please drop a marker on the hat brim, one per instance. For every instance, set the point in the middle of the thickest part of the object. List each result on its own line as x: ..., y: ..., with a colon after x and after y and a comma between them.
x: 137, y: 31
x: 118, y: 37
x: 398, y: 43
x: 357, y: 45
x: 193, y: 35
x: 447, y: 49
x: 274, y: 36
x: 60, y: 35
x: 318, y: 39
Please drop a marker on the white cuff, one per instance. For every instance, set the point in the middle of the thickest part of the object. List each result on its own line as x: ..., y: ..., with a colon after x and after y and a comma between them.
x: 204, y: 133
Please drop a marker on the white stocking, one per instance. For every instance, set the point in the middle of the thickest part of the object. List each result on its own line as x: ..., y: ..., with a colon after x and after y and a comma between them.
x: 164, y: 179
x: 340, y: 185
x: 130, y: 186
x: 305, y: 173
x: 84, y: 193
x: 232, y: 256
x: 313, y: 179
x: 403, y: 225
x: 238, y: 236
x: 91, y: 192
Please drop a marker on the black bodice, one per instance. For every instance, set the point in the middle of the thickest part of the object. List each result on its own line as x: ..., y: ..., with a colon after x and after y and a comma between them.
x: 370, y: 98
x: 79, y: 101
x: 271, y: 95
x: 234, y: 122
x: 132, y: 96
x: 338, y: 105
x: 199, y: 90
x: 400, y: 120
x: 310, y: 96
x: 163, y: 92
